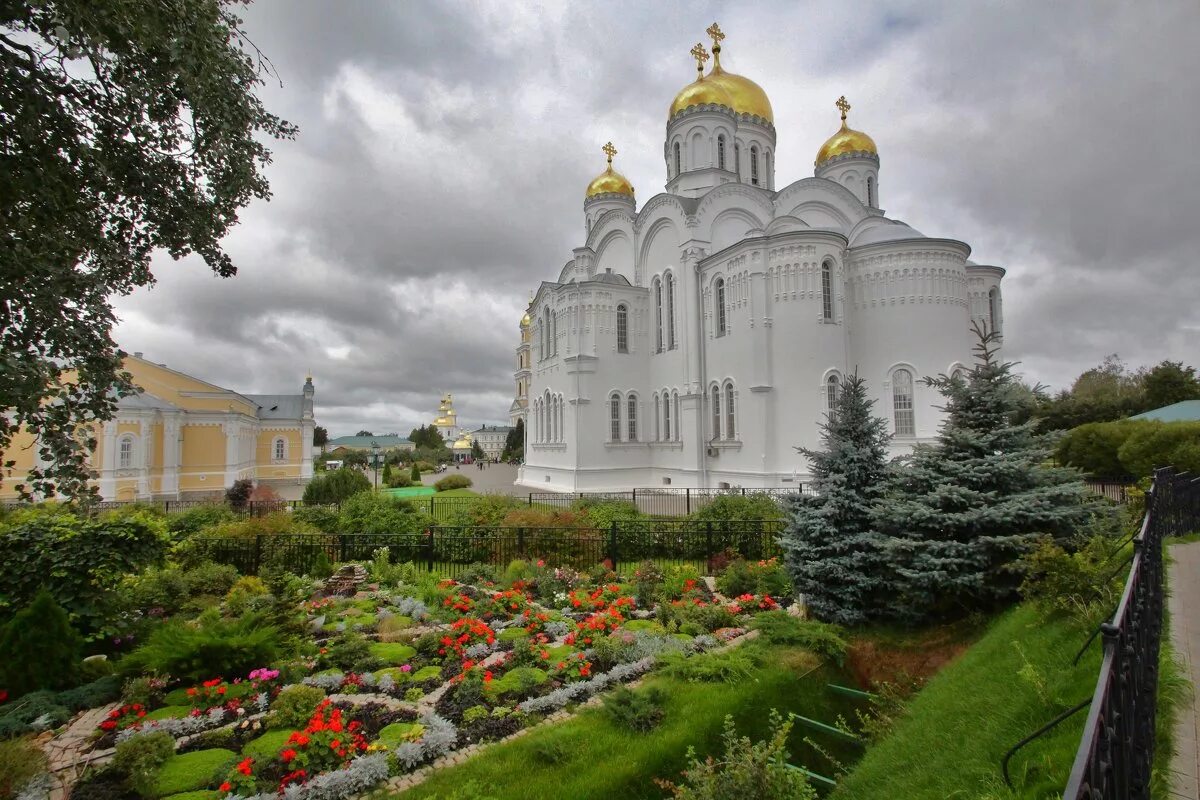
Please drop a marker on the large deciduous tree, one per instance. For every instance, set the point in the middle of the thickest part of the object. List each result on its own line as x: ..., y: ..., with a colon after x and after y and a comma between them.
x: 126, y: 128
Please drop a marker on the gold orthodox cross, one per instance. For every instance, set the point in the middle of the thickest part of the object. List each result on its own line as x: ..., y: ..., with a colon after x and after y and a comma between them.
x: 714, y: 31
x: 843, y: 104
x: 701, y: 55
x: 610, y: 150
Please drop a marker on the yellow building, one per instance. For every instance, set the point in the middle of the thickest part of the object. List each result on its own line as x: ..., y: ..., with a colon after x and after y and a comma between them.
x: 447, y: 419
x: 183, y: 438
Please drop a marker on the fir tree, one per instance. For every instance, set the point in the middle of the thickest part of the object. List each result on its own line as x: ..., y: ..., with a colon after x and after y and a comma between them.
x: 963, y: 510
x: 38, y: 648
x: 831, y: 548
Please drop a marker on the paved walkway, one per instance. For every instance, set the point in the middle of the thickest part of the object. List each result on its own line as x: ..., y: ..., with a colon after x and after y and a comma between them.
x: 492, y: 479
x: 1184, y: 605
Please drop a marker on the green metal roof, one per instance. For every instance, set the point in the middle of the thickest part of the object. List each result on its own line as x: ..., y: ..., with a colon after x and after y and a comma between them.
x: 365, y: 442
x: 1187, y: 411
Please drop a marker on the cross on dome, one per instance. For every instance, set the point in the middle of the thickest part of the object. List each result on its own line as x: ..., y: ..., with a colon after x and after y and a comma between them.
x: 610, y: 151
x: 843, y: 105
x: 701, y: 55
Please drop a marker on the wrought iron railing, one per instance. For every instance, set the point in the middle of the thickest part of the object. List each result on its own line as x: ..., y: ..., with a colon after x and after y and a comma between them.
x: 1116, y: 754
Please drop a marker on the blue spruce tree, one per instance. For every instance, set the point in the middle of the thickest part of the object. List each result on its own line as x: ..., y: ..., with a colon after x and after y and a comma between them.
x: 962, y: 511
x: 832, y: 551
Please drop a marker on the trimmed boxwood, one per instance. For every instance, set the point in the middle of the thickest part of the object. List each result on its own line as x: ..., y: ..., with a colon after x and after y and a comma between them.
x: 268, y: 745
x: 393, y: 652
x: 168, y: 712
x: 191, y: 771
x: 201, y: 794
x: 398, y: 732
x: 427, y: 673
x: 513, y: 634
x: 521, y: 679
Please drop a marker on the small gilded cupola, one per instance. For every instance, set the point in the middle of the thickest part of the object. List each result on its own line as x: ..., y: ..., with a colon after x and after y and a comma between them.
x: 608, y: 190
x: 850, y: 158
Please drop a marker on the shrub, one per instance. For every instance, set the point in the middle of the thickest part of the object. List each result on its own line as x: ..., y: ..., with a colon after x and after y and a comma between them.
x: 820, y: 638
x: 638, y: 711
x: 745, y: 769
x: 240, y: 595
x: 195, y: 519
x: 38, y: 648
x: 1085, y: 583
x: 350, y: 652
x: 238, y: 495
x: 158, y: 588
x: 729, y: 666
x: 603, y: 513
x: 739, y: 508
x: 488, y: 511
x: 335, y: 487
x: 21, y: 760
x: 210, y: 578
x: 452, y: 482
x: 322, y: 518
x: 754, y: 577
x: 214, y: 646
x: 647, y: 579
x: 1160, y: 444
x: 82, y: 561
x: 292, y: 708
x: 415, y: 475
x: 378, y: 514
x: 1093, y: 448
x: 321, y: 568
x: 191, y: 771
x: 140, y: 759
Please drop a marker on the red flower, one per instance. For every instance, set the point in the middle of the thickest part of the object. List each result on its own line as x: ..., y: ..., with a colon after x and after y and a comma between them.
x: 225, y: 787
x: 288, y: 754
x: 244, y: 767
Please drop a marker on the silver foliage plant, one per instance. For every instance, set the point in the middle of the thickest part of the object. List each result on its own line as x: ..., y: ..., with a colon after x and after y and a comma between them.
x: 411, y: 607
x: 329, y: 681
x: 576, y: 692
x: 439, y: 738
x: 183, y: 726
x: 360, y: 775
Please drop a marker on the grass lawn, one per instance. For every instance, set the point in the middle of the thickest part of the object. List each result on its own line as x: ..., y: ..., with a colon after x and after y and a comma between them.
x: 588, y: 756
x: 409, y: 491
x: 1016, y: 678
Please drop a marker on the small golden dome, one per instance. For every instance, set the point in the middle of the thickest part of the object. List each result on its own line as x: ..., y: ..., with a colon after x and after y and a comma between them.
x: 525, y: 320
x: 610, y: 181
x: 846, y: 140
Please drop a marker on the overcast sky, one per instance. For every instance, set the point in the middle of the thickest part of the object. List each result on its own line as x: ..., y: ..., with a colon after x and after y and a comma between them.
x: 444, y: 149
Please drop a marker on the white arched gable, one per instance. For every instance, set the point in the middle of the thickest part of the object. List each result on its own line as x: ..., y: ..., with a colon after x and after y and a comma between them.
x: 659, y: 249
x: 615, y: 252
x: 786, y: 224
x: 822, y: 214
x: 837, y: 200
x: 753, y: 202
x: 732, y: 226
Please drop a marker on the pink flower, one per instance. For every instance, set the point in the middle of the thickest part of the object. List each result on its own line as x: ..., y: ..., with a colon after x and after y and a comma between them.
x: 406, y: 668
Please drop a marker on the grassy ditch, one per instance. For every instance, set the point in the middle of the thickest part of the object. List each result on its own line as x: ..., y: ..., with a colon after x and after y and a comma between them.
x: 1017, y: 677
x: 590, y: 756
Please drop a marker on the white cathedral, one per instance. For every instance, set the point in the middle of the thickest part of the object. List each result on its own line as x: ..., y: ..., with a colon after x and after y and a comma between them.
x: 698, y: 341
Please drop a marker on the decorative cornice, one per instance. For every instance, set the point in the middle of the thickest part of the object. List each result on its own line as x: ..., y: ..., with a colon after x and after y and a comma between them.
x: 726, y: 111
x: 857, y: 155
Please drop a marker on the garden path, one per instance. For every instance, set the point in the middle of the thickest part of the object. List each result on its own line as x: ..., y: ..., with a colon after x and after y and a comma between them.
x: 72, y: 751
x: 1184, y: 606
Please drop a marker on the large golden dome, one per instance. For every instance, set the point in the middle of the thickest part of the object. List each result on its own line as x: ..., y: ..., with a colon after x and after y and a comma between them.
x: 701, y: 92
x: 846, y: 140
x: 610, y: 181
x: 745, y: 96
x: 722, y: 88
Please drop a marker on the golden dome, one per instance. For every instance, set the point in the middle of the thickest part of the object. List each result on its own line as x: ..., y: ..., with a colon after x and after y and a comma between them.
x: 610, y: 181
x: 722, y: 88
x: 846, y: 140
x: 701, y: 92
x: 525, y: 320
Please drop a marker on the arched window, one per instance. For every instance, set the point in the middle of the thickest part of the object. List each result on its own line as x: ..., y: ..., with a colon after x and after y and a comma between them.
x: 767, y: 170
x: 870, y: 191
x: 678, y: 160
x: 902, y: 402
x: 658, y: 316
x: 994, y: 310
x: 730, y: 428
x: 553, y: 332
x: 657, y: 419
x: 737, y: 159
x: 125, y: 452
x: 670, y: 311
x: 754, y: 164
x: 716, y: 412
x: 827, y: 291
x: 675, y: 402
x: 631, y: 430
x: 614, y: 417
x: 622, y: 329
x: 541, y: 342
x: 562, y: 419
x: 721, y: 151
x: 833, y: 389
x: 666, y: 428
x: 279, y: 449
x: 719, y: 305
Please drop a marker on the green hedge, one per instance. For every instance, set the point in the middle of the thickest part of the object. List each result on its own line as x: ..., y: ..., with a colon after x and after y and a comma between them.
x: 1131, y: 448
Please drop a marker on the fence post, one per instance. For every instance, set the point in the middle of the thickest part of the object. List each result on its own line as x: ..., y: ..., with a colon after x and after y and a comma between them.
x: 521, y: 541
x: 612, y: 544
x: 258, y: 552
x: 688, y: 501
x: 429, y: 548
x: 342, y: 547
x: 531, y: 499
x: 431, y: 516
x: 708, y: 547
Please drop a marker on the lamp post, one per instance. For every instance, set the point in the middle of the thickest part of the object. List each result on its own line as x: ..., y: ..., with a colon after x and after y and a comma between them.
x: 375, y: 461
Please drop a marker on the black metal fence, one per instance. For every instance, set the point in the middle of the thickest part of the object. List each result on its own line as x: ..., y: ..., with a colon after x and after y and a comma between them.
x: 449, y: 550
x: 1117, y: 752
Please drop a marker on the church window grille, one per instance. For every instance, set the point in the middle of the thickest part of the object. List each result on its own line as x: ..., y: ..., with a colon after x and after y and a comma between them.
x: 622, y: 329
x: 721, y: 152
x: 754, y: 165
x: 871, y: 192
x: 666, y: 431
x: 658, y: 316
x: 827, y: 291
x: 280, y: 447
x: 719, y: 300
x: 614, y: 417
x: 631, y: 418
x: 670, y: 311
x: 125, y: 452
x: 730, y: 429
x: 833, y: 390
x: 994, y: 310
x: 678, y: 160
x: 716, y: 412
x: 902, y: 402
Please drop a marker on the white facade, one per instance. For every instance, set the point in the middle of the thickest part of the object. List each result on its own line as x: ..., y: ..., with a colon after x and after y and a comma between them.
x: 697, y: 342
x: 491, y: 439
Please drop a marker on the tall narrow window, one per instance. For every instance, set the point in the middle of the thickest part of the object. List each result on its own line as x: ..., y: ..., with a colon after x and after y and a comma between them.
x: 716, y: 412
x: 614, y: 417
x: 902, y: 402
x: 994, y: 310
x: 541, y: 342
x: 754, y: 164
x: 657, y: 419
x: 631, y: 430
x: 737, y: 159
x: 622, y: 329
x: 125, y: 453
x: 280, y: 449
x: 827, y: 291
x: 721, y: 152
x: 767, y: 171
x: 678, y: 160
x: 675, y: 402
x: 658, y: 316
x: 554, y: 332
x: 670, y: 311
x: 832, y: 390
x: 719, y: 305
x: 871, y: 192
x: 666, y: 431
x: 730, y: 429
